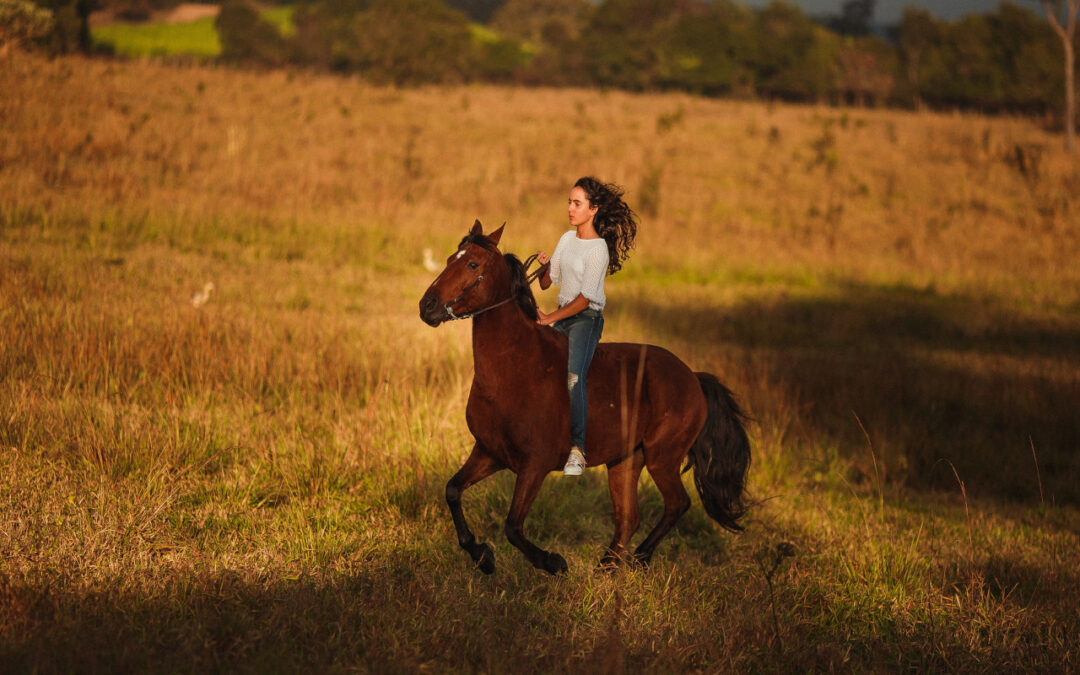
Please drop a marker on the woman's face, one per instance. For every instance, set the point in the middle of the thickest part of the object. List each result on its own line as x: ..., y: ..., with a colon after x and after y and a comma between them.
x: 580, y: 210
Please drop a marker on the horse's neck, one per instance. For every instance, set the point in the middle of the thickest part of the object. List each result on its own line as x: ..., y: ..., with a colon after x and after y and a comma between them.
x: 504, y: 342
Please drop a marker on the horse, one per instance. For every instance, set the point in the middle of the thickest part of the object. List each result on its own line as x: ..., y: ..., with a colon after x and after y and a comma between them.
x: 519, y: 412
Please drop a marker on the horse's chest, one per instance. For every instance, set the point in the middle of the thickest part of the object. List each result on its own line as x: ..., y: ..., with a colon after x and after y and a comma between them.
x: 513, y: 425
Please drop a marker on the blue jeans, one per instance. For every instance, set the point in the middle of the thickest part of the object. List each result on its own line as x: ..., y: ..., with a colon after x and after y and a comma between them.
x: 583, y: 330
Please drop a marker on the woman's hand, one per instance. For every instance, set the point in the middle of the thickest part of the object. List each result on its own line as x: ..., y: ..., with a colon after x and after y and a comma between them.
x: 545, y: 278
x: 566, y: 311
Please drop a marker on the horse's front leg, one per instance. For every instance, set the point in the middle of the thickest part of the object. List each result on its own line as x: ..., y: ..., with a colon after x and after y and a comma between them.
x: 526, y: 488
x: 477, y: 467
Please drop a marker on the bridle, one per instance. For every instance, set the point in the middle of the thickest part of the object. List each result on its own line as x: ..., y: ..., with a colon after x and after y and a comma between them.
x: 529, y: 278
x: 454, y: 317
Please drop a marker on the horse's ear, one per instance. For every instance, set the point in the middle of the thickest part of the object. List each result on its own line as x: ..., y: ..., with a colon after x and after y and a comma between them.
x: 497, y: 234
x: 477, y: 228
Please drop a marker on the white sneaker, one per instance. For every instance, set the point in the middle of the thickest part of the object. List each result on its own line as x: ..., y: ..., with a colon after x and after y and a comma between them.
x: 575, y: 464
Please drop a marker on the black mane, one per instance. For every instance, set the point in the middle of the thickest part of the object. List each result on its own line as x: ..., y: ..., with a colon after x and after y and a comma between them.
x: 520, y: 289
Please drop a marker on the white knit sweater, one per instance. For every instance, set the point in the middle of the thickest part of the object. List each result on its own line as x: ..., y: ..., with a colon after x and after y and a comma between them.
x: 579, y: 266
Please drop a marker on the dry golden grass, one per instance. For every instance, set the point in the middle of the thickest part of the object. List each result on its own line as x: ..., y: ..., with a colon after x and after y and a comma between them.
x: 256, y: 484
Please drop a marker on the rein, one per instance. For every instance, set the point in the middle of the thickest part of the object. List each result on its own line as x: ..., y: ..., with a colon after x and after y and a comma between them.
x: 529, y: 278
x: 537, y: 273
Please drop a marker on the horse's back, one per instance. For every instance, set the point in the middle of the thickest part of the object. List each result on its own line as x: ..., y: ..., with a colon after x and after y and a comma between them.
x: 656, y: 361
x: 668, y: 404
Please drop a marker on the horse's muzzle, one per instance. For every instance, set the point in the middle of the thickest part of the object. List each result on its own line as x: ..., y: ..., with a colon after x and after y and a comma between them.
x: 431, y: 311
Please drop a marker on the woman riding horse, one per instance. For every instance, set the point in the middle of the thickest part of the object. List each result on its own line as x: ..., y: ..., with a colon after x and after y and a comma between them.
x: 518, y: 411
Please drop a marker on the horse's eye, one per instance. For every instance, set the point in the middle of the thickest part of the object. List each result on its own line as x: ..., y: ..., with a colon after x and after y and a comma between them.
x: 473, y: 265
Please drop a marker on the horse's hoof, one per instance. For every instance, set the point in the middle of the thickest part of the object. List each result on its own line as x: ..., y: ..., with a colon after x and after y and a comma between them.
x: 555, y: 564
x: 486, y: 562
x: 609, y: 563
x: 641, y: 560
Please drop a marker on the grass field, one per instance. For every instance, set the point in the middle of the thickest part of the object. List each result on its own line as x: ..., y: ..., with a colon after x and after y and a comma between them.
x: 257, y: 484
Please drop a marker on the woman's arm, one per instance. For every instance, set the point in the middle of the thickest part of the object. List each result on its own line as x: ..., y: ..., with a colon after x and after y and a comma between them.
x: 578, y: 304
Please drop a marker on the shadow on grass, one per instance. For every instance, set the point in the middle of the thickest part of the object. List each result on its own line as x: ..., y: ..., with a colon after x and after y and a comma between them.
x: 938, y: 382
x: 408, y: 608
x: 411, y: 609
x: 1012, y: 627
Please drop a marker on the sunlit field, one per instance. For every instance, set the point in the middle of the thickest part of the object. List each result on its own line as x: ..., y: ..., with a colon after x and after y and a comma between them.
x: 257, y: 483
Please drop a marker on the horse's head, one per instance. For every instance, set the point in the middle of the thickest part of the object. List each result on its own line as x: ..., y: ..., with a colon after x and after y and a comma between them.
x: 470, y: 281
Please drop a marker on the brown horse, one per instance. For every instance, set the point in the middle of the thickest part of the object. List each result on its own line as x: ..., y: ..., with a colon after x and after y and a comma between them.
x: 519, y: 411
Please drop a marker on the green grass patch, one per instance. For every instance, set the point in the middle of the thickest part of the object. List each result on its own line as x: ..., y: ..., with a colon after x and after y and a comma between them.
x: 197, y: 38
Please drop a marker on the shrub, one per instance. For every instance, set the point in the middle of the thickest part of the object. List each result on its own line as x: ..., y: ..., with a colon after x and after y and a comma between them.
x: 247, y: 37
x: 323, y: 32
x: 407, y: 42
x: 22, y: 21
x: 70, y: 30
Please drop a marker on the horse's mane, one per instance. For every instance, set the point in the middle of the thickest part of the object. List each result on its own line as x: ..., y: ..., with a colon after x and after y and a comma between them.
x: 520, y: 290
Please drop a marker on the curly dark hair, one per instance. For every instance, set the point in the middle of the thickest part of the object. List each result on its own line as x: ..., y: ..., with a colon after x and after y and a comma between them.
x: 614, y: 220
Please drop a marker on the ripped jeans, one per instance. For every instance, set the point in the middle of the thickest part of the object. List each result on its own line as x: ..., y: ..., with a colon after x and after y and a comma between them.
x: 583, y: 330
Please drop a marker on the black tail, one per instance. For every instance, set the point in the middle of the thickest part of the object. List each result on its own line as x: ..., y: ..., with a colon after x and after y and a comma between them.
x: 721, y: 455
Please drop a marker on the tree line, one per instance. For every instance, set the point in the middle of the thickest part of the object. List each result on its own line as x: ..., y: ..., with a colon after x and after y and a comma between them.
x: 1008, y: 59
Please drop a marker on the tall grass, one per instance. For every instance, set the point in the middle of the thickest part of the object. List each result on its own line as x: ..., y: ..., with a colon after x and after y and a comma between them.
x: 256, y: 484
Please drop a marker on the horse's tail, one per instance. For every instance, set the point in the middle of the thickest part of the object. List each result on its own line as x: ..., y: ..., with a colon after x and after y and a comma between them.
x: 721, y: 455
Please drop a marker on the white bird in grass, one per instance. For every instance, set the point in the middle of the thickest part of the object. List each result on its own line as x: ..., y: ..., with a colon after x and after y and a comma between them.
x: 203, y: 296
x: 429, y: 261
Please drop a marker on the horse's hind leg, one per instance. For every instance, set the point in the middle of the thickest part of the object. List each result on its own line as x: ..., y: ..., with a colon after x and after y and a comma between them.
x: 526, y: 488
x: 665, y: 474
x: 622, y: 483
x: 477, y: 467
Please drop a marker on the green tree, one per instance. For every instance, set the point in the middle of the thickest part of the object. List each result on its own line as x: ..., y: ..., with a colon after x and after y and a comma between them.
x: 537, y: 21
x: 247, y: 38
x: 624, y: 40
x: 1000, y: 60
x: 549, y: 31
x: 1023, y: 48
x: 480, y: 11
x: 324, y: 32
x: 796, y: 58
x: 71, y: 29
x: 709, y: 50
x: 917, y: 35
x: 499, y: 59
x: 22, y: 21
x: 961, y: 71
x: 407, y: 42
